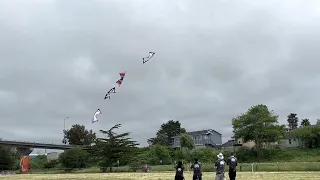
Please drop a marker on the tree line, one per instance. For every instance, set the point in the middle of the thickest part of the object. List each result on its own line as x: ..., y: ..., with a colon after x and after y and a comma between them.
x: 257, y: 124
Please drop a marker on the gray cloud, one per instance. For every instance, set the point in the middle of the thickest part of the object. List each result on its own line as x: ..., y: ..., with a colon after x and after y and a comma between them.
x: 213, y: 61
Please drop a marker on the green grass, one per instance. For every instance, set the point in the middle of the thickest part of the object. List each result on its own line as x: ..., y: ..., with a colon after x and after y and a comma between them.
x: 242, y: 167
x: 163, y: 176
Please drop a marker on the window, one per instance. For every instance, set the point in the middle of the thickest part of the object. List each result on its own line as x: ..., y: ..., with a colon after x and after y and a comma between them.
x: 294, y: 139
x: 198, y: 137
x: 289, y: 141
x: 205, y: 137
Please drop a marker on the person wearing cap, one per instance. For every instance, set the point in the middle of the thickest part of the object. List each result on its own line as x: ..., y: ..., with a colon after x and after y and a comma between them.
x: 197, y: 174
x: 233, y: 163
x: 219, y: 165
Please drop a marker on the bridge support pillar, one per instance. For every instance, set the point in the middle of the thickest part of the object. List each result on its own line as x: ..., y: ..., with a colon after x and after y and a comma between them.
x: 24, y: 151
x: 24, y: 158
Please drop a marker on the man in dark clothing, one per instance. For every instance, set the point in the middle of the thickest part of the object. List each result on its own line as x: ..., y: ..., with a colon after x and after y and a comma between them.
x: 197, y: 174
x: 220, y: 167
x: 179, y: 171
x: 233, y: 163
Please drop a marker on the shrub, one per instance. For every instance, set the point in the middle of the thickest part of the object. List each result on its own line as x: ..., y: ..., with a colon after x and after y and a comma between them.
x: 74, y: 158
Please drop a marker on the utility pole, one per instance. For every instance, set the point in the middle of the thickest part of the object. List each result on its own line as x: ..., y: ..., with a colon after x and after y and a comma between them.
x: 64, y: 141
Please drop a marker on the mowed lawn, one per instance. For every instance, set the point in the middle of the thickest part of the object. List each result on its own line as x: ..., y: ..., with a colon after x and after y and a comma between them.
x: 163, y: 176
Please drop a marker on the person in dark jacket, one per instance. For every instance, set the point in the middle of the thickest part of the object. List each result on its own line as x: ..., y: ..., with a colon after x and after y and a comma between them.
x: 219, y: 165
x: 197, y: 173
x: 179, y: 171
x: 233, y: 163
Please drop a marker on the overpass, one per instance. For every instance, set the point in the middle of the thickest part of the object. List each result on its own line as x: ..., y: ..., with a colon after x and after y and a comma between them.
x: 39, y: 145
x: 25, y: 148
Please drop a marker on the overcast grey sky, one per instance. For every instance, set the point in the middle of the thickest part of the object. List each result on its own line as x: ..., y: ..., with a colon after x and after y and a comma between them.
x: 214, y: 59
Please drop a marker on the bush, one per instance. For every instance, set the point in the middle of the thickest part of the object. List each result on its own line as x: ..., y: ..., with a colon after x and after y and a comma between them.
x: 74, y: 158
x: 7, y: 160
x: 38, y: 162
x: 51, y: 164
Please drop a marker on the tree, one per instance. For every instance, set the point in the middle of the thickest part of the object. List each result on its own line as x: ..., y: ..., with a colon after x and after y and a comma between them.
x: 292, y: 121
x: 309, y: 135
x: 305, y: 122
x: 259, y: 125
x: 115, y: 147
x: 73, y: 158
x: 79, y: 135
x: 186, y: 141
x: 7, y: 159
x: 166, y: 132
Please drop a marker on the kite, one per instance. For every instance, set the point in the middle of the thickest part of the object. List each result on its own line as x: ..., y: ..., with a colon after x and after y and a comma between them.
x: 95, y: 119
x: 122, y: 74
x: 146, y: 59
x: 112, y: 90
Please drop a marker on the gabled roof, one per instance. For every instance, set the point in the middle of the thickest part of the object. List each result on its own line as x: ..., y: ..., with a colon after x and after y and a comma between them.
x: 199, y: 132
x: 229, y: 143
x: 202, y: 132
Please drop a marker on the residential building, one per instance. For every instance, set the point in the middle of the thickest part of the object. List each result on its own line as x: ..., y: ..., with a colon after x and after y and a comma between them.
x: 229, y: 145
x: 248, y: 144
x: 289, y: 141
x: 202, y: 138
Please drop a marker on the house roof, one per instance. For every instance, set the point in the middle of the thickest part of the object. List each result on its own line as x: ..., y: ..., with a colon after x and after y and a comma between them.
x: 200, y: 132
x: 204, y: 131
x: 229, y: 143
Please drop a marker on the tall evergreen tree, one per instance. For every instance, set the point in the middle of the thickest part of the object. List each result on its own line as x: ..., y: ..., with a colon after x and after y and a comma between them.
x: 115, y: 147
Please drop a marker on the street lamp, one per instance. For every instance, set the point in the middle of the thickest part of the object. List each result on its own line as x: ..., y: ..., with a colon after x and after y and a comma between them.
x: 64, y: 141
x: 64, y: 123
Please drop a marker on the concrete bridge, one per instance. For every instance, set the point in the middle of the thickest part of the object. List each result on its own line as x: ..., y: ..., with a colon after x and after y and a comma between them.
x: 25, y: 148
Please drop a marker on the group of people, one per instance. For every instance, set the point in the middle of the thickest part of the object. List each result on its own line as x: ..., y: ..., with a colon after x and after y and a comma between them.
x: 219, y: 166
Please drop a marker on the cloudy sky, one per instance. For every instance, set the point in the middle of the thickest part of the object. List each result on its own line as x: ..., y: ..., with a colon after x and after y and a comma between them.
x: 214, y: 59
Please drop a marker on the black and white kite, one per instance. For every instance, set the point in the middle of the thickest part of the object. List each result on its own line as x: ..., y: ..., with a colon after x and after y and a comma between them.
x: 95, y: 119
x: 146, y: 59
x: 112, y: 90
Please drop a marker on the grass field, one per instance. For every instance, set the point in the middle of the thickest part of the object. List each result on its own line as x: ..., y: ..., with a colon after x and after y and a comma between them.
x: 163, y: 176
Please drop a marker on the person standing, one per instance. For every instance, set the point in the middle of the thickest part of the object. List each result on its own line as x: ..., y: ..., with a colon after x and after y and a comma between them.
x: 232, y: 162
x: 219, y: 165
x: 179, y: 171
x: 197, y: 174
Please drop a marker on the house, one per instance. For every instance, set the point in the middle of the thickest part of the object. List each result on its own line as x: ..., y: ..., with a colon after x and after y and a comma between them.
x: 231, y: 145
x: 202, y: 138
x: 289, y: 141
x: 248, y: 144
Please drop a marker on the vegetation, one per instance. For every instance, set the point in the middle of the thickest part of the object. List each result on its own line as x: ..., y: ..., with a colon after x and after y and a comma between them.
x: 305, y: 122
x: 79, y: 135
x: 292, y: 121
x: 114, y: 148
x: 166, y: 132
x: 7, y: 158
x: 258, y: 124
x: 118, y: 152
x: 74, y: 158
x: 309, y: 136
x: 186, y: 141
